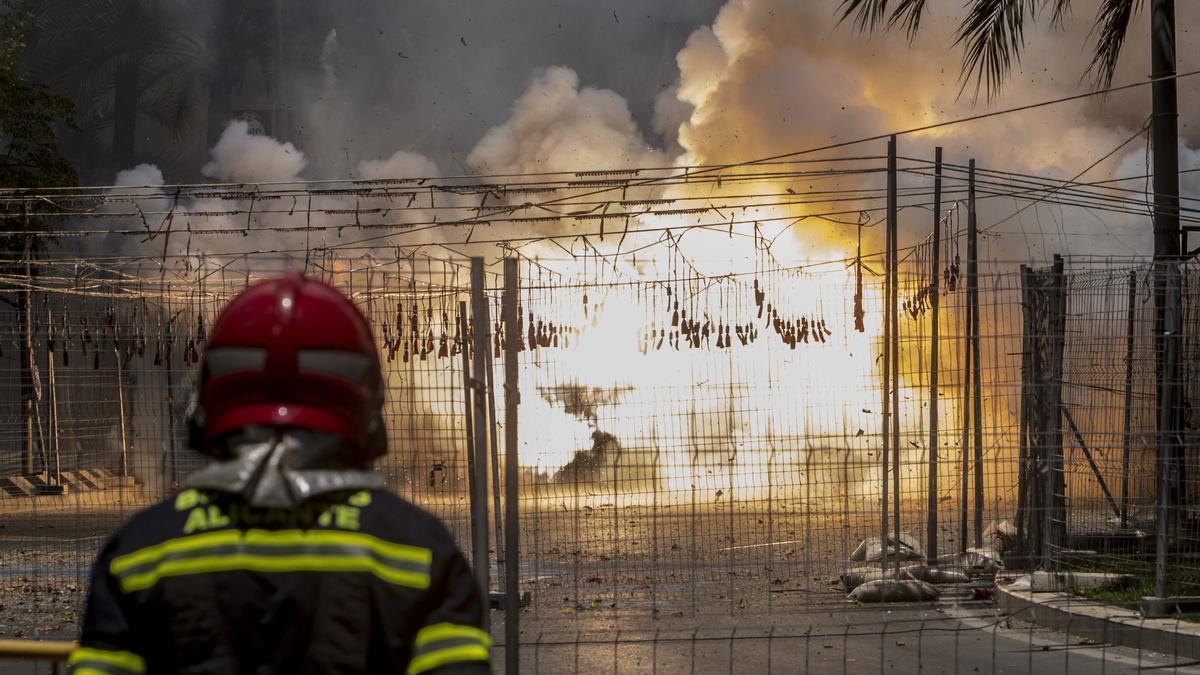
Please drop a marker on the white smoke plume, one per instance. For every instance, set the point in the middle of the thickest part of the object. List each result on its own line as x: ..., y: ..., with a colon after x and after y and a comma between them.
x: 242, y: 157
x: 328, y: 60
x: 140, y: 175
x: 401, y: 164
x: 557, y: 125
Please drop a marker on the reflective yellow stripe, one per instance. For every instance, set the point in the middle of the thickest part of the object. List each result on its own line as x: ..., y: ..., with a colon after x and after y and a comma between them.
x: 125, y: 662
x: 441, y: 657
x: 287, y: 563
x: 444, y: 631
x: 271, y: 538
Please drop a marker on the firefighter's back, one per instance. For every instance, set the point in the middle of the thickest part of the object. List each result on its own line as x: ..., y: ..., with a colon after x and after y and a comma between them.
x: 353, y: 581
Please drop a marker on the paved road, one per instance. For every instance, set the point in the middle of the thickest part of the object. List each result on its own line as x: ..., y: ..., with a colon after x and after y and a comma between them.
x: 946, y: 638
x: 968, y: 638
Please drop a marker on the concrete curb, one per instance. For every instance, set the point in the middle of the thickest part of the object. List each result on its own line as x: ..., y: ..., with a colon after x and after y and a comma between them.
x: 1101, y: 623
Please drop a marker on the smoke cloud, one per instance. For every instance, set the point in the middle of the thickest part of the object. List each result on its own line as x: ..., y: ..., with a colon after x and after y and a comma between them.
x: 242, y: 157
x: 725, y: 83
x: 557, y: 125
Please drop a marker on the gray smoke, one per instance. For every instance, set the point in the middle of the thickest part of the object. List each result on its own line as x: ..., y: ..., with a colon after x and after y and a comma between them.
x: 401, y: 90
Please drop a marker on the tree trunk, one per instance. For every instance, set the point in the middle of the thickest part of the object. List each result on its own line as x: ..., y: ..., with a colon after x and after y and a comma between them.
x: 220, y: 83
x: 1165, y: 131
x: 1164, y: 137
x: 125, y: 104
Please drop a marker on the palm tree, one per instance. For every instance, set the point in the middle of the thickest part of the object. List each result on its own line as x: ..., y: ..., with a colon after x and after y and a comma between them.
x: 142, y: 66
x: 101, y: 51
x: 992, y: 36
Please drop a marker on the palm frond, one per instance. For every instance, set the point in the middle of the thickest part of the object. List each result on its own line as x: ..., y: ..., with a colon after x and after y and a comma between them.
x: 993, y: 34
x: 1061, y: 9
x: 1112, y: 23
x: 868, y: 14
x: 908, y: 14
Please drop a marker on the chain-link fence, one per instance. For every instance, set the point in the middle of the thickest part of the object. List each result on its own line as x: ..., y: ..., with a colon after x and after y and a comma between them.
x: 708, y: 462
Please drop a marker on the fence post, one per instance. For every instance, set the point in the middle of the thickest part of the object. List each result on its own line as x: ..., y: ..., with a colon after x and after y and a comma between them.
x: 894, y: 304
x: 1051, y: 439
x: 28, y: 400
x: 52, y: 399
x: 1127, y: 424
x: 1167, y: 420
x: 480, y: 337
x: 512, y: 398
x: 122, y: 429
x: 467, y: 345
x: 888, y: 282
x: 964, y: 495
x: 495, y: 460
x: 931, y: 518
x: 977, y: 402
x: 1024, y: 459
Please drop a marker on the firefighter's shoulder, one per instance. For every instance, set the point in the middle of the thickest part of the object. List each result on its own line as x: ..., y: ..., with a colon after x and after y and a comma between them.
x: 149, y: 526
x: 392, y: 517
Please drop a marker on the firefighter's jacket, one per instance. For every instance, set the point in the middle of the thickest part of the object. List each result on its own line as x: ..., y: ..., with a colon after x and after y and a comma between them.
x: 347, y: 582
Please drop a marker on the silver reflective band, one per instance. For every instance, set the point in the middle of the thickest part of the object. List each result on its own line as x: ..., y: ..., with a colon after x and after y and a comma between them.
x: 226, y: 360
x: 350, y: 366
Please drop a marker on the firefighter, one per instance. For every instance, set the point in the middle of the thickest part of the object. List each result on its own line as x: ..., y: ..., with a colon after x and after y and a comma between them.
x: 285, y: 554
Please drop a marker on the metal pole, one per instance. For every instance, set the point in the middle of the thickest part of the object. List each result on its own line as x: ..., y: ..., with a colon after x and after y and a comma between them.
x: 121, y: 413
x: 887, y: 355
x: 1051, y: 444
x: 467, y: 345
x: 968, y: 315
x: 495, y: 464
x: 1167, y: 427
x: 977, y: 403
x: 481, y: 335
x: 1127, y: 423
x: 512, y: 495
x: 931, y: 516
x: 121, y: 416
x: 27, y: 390
x: 1024, y: 454
x: 894, y: 304
x: 169, y: 404
x: 55, y: 435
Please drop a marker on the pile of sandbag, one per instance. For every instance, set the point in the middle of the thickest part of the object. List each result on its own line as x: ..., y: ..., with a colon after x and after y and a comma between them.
x: 911, y: 580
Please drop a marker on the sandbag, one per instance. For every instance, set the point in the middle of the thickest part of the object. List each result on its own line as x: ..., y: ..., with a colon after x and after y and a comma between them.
x: 894, y: 590
x: 978, y: 562
x: 856, y: 576
x: 938, y: 575
x: 981, y: 562
x: 904, y: 546
x: 1003, y: 536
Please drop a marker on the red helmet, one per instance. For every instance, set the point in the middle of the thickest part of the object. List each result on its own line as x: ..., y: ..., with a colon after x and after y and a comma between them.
x: 291, y: 352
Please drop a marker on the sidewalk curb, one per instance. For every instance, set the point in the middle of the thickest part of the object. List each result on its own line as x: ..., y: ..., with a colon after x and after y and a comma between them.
x: 1102, y: 623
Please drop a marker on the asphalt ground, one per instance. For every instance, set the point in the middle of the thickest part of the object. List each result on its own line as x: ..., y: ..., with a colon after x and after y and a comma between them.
x: 672, y: 589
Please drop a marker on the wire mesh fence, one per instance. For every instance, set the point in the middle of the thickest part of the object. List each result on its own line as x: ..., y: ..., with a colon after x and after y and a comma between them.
x: 708, y: 462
